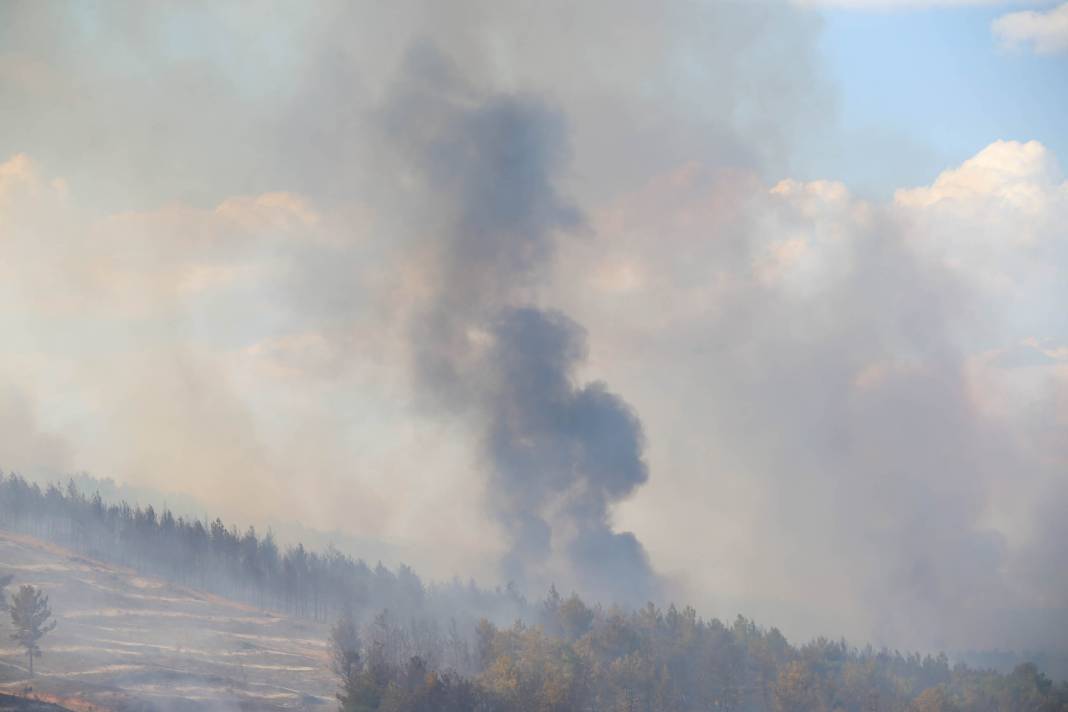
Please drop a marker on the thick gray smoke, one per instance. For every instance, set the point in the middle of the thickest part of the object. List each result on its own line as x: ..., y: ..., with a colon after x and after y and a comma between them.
x: 562, y: 455
x: 856, y: 412
x: 558, y: 454
x: 221, y: 287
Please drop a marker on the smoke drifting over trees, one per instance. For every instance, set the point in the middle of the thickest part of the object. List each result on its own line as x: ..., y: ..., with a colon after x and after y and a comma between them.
x: 403, y: 646
x: 393, y: 284
x: 673, y: 661
x: 210, y: 555
x: 559, y: 454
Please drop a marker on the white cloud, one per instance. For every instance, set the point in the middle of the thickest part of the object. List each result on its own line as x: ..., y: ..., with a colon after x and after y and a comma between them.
x: 58, y: 254
x: 793, y: 347
x: 1044, y: 32
x: 997, y: 222
x: 909, y: 4
x: 1009, y: 171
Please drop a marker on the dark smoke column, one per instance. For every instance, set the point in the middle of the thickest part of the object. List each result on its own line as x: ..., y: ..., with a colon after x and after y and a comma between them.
x: 487, y: 213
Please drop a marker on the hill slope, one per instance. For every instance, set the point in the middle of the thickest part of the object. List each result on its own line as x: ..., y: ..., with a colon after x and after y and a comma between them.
x: 127, y: 641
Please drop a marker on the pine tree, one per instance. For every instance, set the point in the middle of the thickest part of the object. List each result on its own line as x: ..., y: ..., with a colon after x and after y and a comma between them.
x: 30, y: 614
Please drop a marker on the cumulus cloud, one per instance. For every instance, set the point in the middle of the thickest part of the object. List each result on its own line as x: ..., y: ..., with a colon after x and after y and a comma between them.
x: 905, y: 4
x: 997, y: 222
x: 1044, y: 32
x: 851, y: 374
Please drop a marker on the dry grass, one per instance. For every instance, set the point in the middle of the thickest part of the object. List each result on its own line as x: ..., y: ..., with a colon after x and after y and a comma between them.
x: 130, y: 642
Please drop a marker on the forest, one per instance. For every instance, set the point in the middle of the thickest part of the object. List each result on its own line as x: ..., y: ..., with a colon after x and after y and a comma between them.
x: 246, y: 566
x: 579, y: 658
x: 402, y: 645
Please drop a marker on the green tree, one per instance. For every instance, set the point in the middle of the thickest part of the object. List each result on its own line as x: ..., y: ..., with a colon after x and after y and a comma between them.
x: 797, y: 689
x: 575, y: 617
x: 933, y: 699
x: 345, y: 648
x: 31, y: 615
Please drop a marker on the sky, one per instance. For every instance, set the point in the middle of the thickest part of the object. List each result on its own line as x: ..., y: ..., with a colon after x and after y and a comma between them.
x: 920, y: 89
x: 752, y: 305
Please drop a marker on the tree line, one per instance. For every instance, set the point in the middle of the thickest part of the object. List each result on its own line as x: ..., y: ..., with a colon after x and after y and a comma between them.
x: 245, y: 565
x: 453, y: 647
x: 575, y: 658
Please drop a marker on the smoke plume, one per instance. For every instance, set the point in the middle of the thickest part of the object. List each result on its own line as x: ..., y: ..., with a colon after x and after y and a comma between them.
x: 285, y: 253
x: 558, y: 453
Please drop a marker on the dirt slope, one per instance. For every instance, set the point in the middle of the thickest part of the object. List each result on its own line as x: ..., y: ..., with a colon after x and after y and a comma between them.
x: 131, y: 642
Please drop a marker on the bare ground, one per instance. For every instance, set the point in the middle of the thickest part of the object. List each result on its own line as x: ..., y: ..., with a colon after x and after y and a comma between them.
x: 125, y: 641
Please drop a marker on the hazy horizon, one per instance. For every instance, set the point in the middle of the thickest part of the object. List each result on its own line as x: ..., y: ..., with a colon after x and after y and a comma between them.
x: 755, y: 306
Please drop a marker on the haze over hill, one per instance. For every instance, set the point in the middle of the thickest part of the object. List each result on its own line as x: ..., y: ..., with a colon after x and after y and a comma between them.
x: 131, y: 641
x: 746, y: 304
x: 287, y: 532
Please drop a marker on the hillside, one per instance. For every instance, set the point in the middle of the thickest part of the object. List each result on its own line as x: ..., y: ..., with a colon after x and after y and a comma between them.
x: 13, y: 703
x: 127, y: 641
x: 130, y: 641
